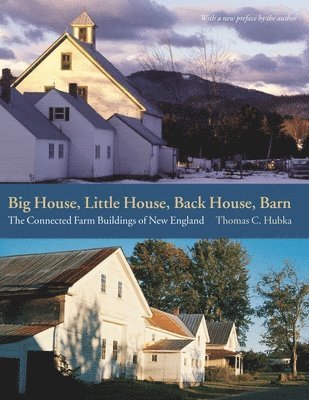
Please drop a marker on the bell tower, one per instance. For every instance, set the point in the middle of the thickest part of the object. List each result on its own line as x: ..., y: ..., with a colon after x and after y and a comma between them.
x: 83, y: 28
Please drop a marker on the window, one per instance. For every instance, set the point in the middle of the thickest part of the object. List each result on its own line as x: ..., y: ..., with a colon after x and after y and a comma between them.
x: 154, y: 358
x: 82, y: 91
x: 119, y: 290
x: 103, y: 283
x: 109, y: 152
x: 62, y: 113
x: 115, y: 350
x: 82, y: 34
x: 103, y: 354
x: 60, y: 151
x: 199, y: 340
x: 97, y: 151
x: 51, y: 150
x: 134, y: 360
x: 66, y: 61
x: 184, y: 361
x: 153, y: 337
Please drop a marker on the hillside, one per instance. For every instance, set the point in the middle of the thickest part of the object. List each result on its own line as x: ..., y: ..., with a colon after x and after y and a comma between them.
x: 188, y: 89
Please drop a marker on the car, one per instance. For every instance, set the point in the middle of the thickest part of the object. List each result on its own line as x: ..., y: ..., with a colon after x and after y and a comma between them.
x: 299, y: 168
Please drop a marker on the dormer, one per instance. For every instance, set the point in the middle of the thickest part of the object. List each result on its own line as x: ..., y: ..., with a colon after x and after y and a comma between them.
x: 83, y: 28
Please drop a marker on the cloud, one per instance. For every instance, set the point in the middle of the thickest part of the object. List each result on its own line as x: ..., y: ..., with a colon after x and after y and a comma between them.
x: 178, y: 40
x: 6, y: 54
x: 117, y: 19
x: 265, y: 25
x: 286, y: 71
x: 261, y: 63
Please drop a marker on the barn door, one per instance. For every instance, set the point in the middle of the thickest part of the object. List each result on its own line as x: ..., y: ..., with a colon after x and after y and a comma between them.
x: 9, y: 368
x: 41, y: 371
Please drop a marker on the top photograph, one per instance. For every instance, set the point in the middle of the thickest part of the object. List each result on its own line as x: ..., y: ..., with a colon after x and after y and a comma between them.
x: 149, y: 92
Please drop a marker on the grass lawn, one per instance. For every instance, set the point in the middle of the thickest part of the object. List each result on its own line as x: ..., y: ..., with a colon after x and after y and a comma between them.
x: 139, y: 390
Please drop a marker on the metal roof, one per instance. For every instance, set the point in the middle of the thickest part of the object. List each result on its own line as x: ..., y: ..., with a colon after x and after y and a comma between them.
x: 48, y: 273
x: 167, y: 345
x: 83, y: 19
x: 140, y: 128
x: 219, y: 332
x: 192, y: 321
x: 10, y: 333
x: 31, y: 118
x: 168, y: 322
x: 78, y: 103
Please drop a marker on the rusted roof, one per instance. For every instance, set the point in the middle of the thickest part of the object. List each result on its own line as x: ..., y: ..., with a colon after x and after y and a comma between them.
x: 15, y: 333
x: 47, y: 273
x: 168, y: 322
x: 167, y: 345
x: 221, y: 353
x: 192, y: 321
x: 219, y: 332
x: 83, y: 19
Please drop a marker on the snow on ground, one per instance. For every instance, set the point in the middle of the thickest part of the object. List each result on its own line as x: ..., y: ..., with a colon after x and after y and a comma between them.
x: 221, y: 177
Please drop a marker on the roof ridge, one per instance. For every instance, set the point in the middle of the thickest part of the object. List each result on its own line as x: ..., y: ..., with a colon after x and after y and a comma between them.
x: 60, y: 251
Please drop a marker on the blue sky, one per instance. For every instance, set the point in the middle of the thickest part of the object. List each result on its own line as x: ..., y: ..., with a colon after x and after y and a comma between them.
x: 265, y: 254
x: 270, y: 56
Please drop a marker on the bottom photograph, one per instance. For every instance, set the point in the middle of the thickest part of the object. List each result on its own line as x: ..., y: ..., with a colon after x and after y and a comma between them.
x: 155, y: 319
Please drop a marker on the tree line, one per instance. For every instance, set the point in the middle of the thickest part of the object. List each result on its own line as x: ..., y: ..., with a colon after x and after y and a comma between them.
x: 197, y: 132
x: 212, y: 278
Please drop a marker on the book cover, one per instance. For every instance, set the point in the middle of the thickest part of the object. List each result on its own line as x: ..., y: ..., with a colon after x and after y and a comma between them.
x: 153, y: 199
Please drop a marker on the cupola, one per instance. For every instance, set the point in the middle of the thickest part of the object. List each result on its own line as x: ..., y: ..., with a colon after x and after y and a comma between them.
x: 83, y: 28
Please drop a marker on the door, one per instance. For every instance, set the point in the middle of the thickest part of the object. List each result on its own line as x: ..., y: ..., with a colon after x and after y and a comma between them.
x: 9, y: 368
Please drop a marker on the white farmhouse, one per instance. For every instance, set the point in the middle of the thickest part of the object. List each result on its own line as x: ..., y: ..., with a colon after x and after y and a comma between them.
x: 223, y: 348
x: 31, y: 149
x: 74, y: 59
x: 86, y: 305
x: 91, y: 150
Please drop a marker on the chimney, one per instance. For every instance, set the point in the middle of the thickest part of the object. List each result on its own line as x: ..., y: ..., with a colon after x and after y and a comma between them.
x: 6, y: 85
x: 73, y: 89
x: 176, y: 311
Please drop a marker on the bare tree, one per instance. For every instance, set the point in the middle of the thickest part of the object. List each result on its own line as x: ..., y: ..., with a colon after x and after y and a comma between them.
x: 158, y: 57
x: 211, y: 59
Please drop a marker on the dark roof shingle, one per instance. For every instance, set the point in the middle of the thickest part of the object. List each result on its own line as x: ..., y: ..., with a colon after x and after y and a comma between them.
x: 31, y: 118
x: 219, y: 332
x: 167, y: 345
x: 141, y: 130
x: 192, y: 321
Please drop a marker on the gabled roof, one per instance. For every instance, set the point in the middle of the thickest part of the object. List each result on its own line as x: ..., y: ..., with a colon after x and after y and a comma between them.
x: 168, y: 322
x: 48, y: 273
x: 109, y: 69
x: 192, y: 321
x: 140, y: 129
x: 167, y: 345
x: 83, y: 19
x: 31, y: 118
x: 78, y: 103
x: 219, y: 332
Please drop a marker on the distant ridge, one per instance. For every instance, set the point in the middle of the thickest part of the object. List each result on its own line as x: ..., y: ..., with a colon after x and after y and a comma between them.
x: 189, y: 89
